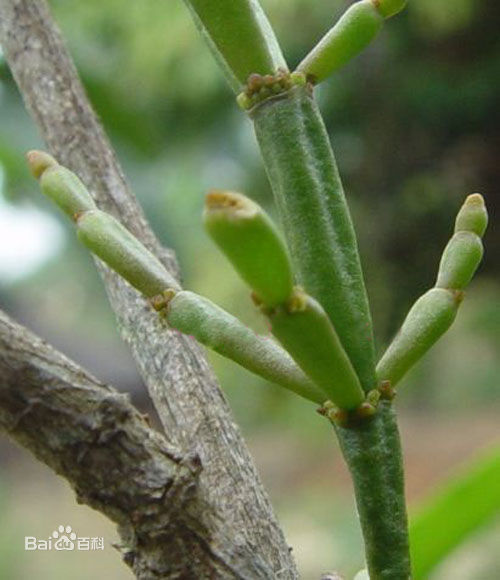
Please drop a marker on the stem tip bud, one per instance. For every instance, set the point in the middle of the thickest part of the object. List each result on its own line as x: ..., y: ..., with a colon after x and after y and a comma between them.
x: 39, y: 161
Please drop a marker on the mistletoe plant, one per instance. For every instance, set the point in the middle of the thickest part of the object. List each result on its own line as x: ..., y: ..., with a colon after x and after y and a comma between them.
x: 310, y: 288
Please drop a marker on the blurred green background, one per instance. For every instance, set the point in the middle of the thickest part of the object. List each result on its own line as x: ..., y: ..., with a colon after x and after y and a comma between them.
x: 415, y: 125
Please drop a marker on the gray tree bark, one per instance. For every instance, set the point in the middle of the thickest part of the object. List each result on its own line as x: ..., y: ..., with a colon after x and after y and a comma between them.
x: 91, y: 435
x: 228, y: 510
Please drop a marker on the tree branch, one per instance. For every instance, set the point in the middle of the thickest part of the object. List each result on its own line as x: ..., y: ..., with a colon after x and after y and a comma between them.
x: 191, y: 407
x: 91, y: 435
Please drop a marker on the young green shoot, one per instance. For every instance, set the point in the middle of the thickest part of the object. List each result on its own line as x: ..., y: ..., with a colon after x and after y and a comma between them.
x: 241, y: 37
x: 357, y: 27
x: 304, y: 329
x: 434, y: 312
x: 59, y: 184
x: 324, y: 325
x: 110, y: 241
x: 218, y: 330
x: 187, y: 312
x: 317, y: 224
x: 250, y: 240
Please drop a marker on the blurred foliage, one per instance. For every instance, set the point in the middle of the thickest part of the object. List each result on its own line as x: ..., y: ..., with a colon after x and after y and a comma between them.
x: 415, y: 126
x: 468, y: 501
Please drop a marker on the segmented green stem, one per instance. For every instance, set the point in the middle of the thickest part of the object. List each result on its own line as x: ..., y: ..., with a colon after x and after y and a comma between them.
x: 434, y: 312
x: 240, y: 36
x: 248, y: 237
x: 310, y: 198
x: 464, y: 251
x: 357, y: 27
x: 460, y: 259
x: 353, y: 32
x: 372, y: 451
x: 307, y: 333
x: 108, y: 239
x: 472, y: 216
x: 305, y: 180
x: 428, y: 319
x: 226, y: 335
x: 59, y: 184
x: 251, y: 241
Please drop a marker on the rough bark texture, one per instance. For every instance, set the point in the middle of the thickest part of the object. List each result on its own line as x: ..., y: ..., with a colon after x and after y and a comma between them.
x: 237, y: 527
x: 91, y: 435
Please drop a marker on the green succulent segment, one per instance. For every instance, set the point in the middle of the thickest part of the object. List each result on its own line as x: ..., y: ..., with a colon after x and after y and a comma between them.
x: 120, y: 250
x: 241, y: 35
x: 60, y: 185
x: 39, y: 161
x: 65, y: 189
x: 351, y: 34
x: 373, y: 454
x: 250, y: 240
x: 305, y: 331
x: 231, y: 79
x: 464, y: 251
x: 99, y: 231
x: 473, y: 216
x: 316, y: 219
x: 429, y: 318
x: 433, y: 313
x: 218, y: 330
x: 460, y: 260
x: 388, y: 8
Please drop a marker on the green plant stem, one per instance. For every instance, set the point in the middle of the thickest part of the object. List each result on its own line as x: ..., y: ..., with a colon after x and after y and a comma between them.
x: 428, y: 319
x: 251, y: 242
x: 372, y: 451
x: 306, y: 332
x: 239, y: 35
x: 357, y: 27
x: 434, y: 312
x: 311, y: 201
x: 223, y: 333
x: 310, y: 198
x: 110, y: 241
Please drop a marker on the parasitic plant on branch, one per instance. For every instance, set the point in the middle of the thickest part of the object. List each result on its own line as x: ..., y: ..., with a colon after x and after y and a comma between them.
x: 308, y: 282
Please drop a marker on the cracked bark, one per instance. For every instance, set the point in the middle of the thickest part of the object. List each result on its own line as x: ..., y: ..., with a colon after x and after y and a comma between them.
x: 235, y: 525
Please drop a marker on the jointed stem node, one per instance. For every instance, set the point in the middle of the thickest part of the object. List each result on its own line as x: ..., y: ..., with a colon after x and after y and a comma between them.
x: 262, y: 87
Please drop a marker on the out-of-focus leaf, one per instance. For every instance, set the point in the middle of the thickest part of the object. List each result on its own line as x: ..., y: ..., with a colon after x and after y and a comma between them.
x: 460, y: 507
